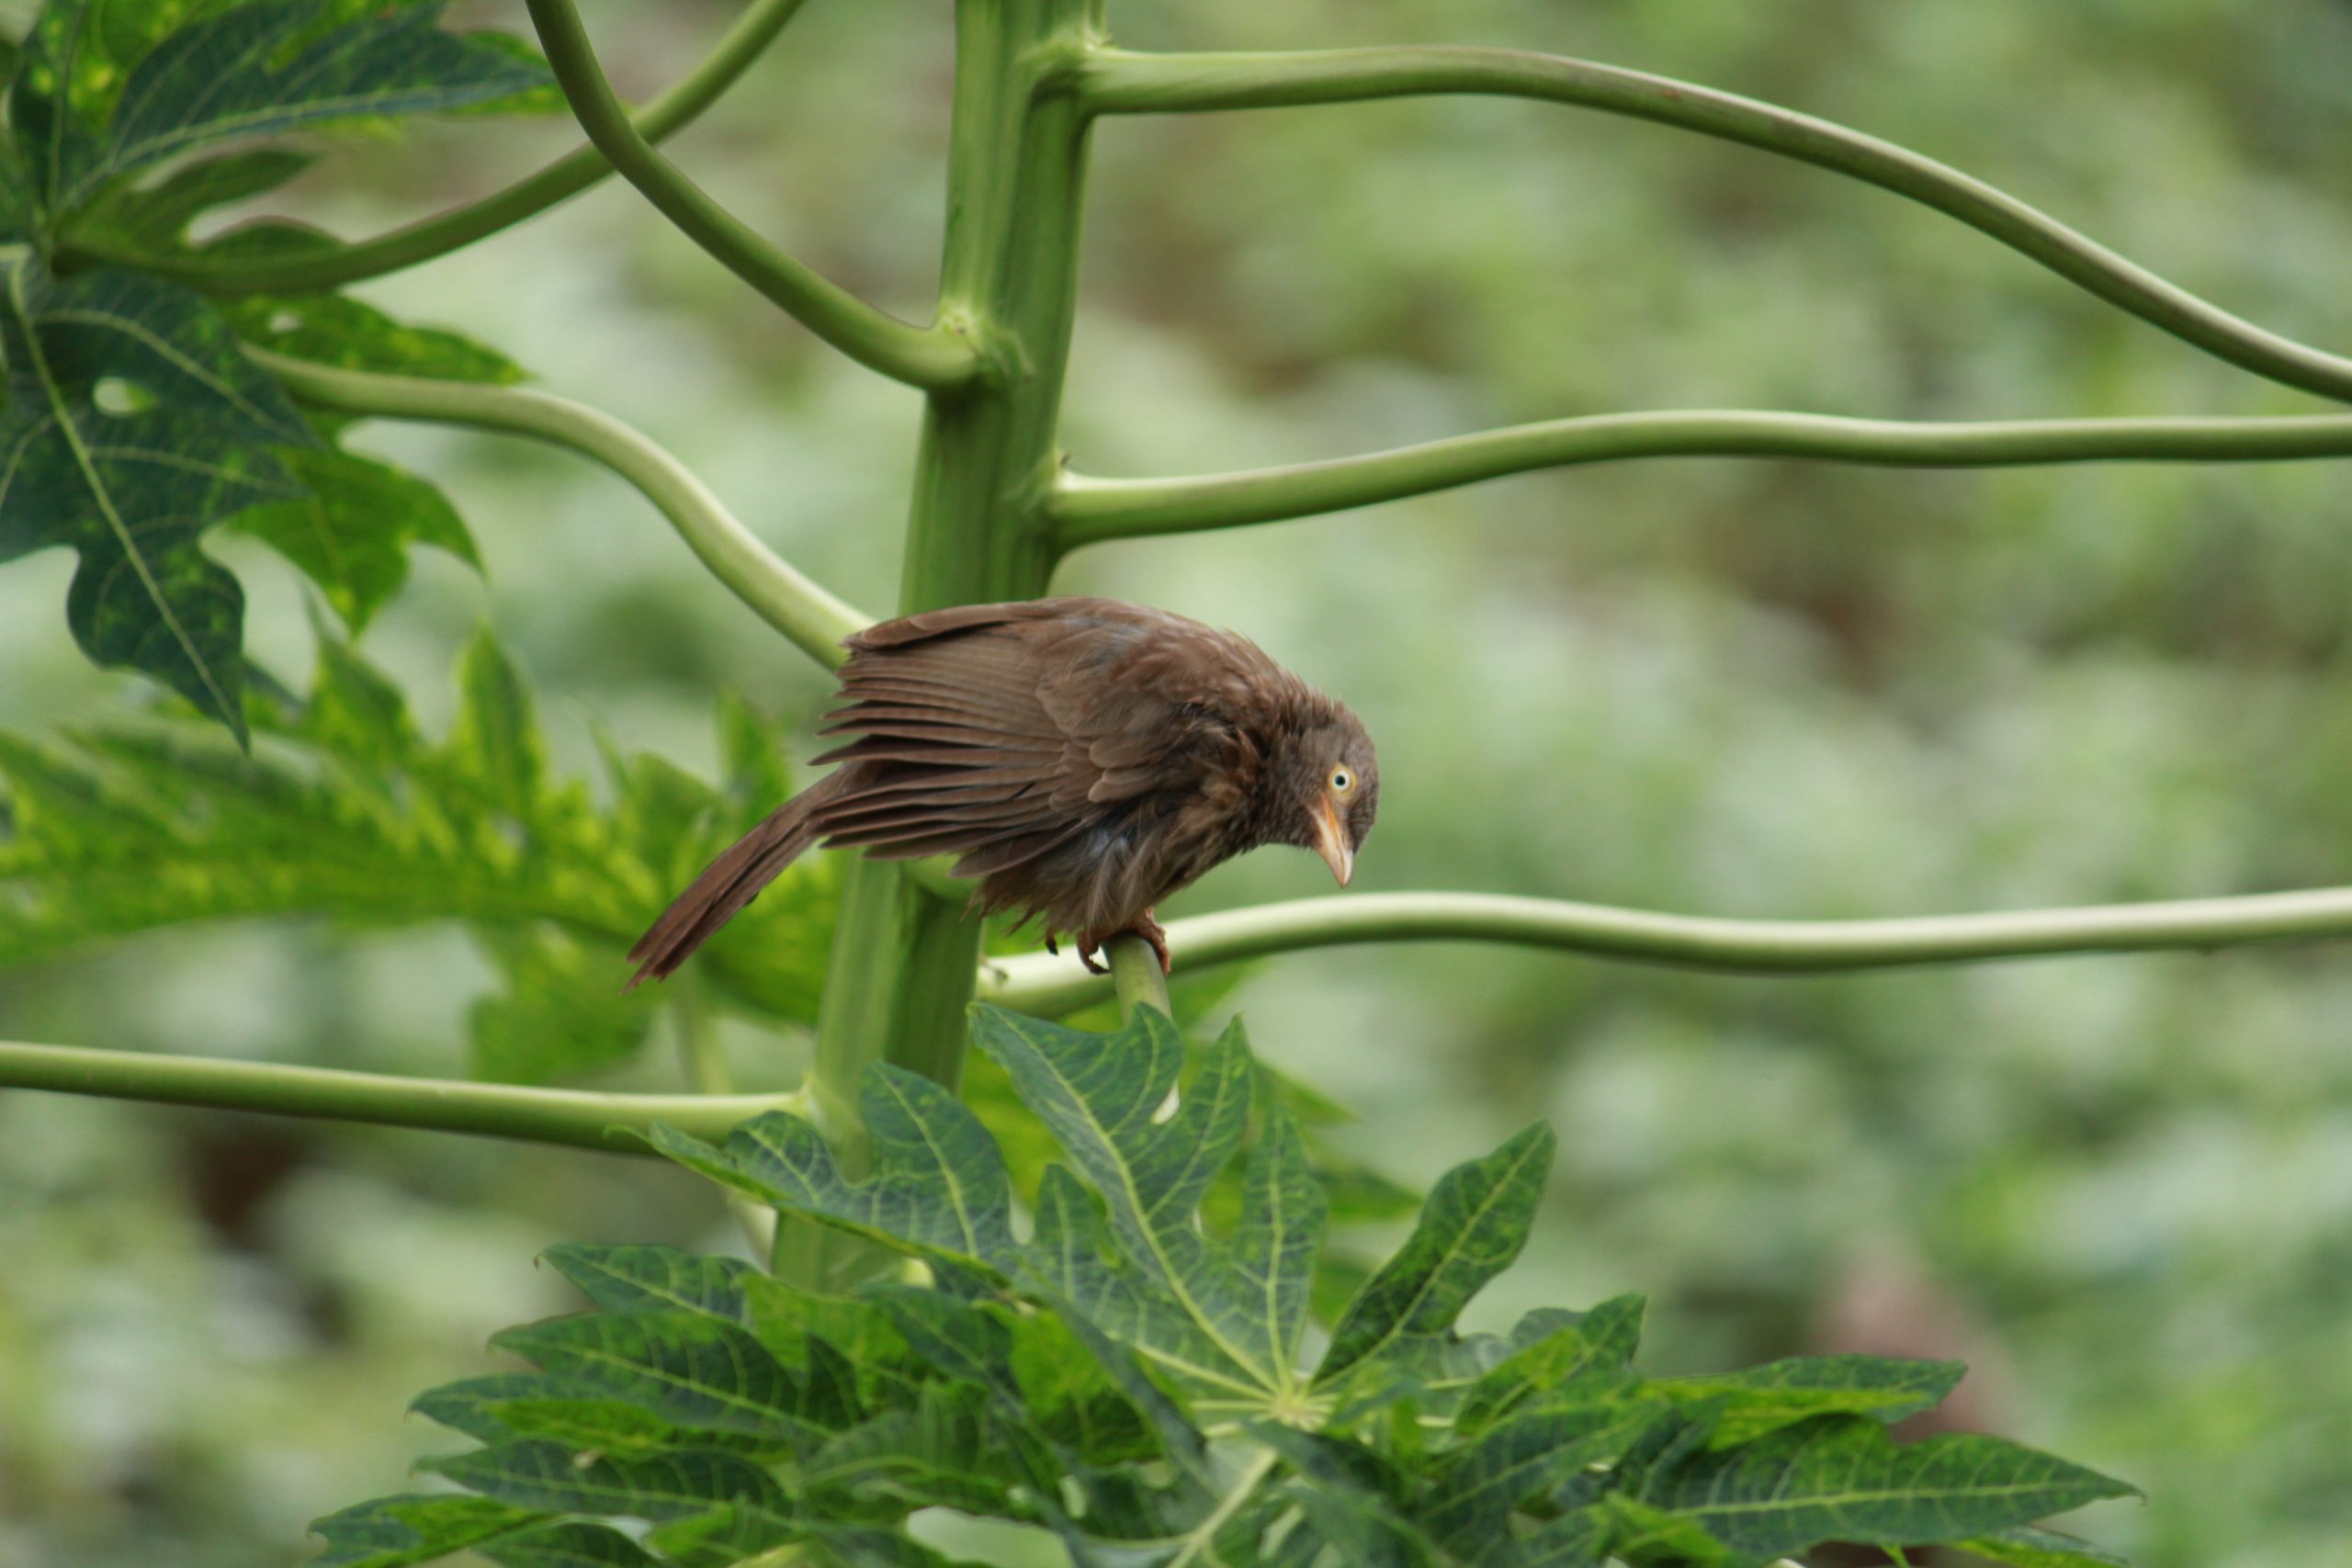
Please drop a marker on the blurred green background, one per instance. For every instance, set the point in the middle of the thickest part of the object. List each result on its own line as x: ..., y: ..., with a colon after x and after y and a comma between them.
x: 2121, y: 1186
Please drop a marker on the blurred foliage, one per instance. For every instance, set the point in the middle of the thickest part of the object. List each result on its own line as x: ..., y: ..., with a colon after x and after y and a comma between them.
x: 2121, y: 1186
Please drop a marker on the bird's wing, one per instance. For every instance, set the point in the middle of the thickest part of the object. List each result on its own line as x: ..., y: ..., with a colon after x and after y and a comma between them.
x: 997, y: 731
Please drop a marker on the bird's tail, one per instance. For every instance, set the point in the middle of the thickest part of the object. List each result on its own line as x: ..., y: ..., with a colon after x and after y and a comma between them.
x: 733, y: 880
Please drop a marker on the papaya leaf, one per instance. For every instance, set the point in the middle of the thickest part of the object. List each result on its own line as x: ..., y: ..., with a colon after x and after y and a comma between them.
x: 1779, y: 1392
x: 1130, y: 1384
x: 351, y: 530
x: 255, y: 69
x: 391, y: 1532
x: 1476, y: 1222
x: 1842, y: 1478
x: 348, y: 811
x: 132, y: 424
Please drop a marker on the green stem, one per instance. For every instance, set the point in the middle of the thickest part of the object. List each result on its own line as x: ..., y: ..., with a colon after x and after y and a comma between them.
x: 1037, y: 984
x: 1136, y: 976
x: 903, y: 955
x: 613, y: 1122
x: 931, y: 357
x: 1116, y: 82
x: 1088, y: 511
x: 422, y: 240
x: 812, y: 618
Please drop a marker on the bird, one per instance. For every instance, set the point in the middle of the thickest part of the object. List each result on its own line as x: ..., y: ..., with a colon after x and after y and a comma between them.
x: 1083, y: 758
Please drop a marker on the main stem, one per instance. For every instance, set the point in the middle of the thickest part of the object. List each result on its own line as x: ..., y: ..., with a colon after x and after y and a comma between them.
x: 904, y: 954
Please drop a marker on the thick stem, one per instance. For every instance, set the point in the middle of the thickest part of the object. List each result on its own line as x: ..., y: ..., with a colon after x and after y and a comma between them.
x: 1114, y: 82
x: 1090, y: 511
x: 1036, y: 984
x: 614, y: 1123
x: 932, y: 357
x: 812, y: 618
x: 903, y: 953
x: 452, y: 230
x: 1136, y: 976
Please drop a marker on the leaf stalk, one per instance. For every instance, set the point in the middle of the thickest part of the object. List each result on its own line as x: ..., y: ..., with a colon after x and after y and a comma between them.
x: 1112, y: 81
x: 1088, y: 511
x: 1047, y: 986
x: 934, y: 358
x: 614, y: 1123
x: 809, y: 616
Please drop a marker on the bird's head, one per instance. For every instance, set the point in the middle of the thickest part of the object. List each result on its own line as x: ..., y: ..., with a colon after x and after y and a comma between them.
x: 1330, y: 782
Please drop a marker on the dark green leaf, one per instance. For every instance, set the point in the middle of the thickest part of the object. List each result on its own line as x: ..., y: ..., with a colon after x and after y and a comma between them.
x: 697, y: 1372
x: 393, y: 1531
x: 1842, y: 1478
x: 571, y: 1544
x: 352, y: 532
x: 1476, y: 1222
x: 1578, y: 1345
x: 256, y: 69
x: 2029, y: 1546
x: 155, y: 219
x: 938, y: 1186
x: 348, y: 334
x: 131, y: 483
x: 575, y: 1412
x: 1760, y: 1398
x: 653, y: 1279
x: 551, y: 1478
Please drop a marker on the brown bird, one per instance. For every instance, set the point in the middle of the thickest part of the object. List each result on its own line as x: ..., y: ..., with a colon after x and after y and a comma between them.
x: 1085, y: 759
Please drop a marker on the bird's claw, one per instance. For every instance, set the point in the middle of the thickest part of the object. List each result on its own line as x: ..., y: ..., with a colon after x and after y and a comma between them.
x: 1145, y: 927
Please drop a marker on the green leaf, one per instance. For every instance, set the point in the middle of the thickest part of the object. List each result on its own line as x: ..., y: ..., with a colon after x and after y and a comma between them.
x: 654, y: 1278
x: 352, y: 531
x: 1775, y: 1394
x: 350, y: 334
x: 393, y: 1531
x: 576, y: 1413
x: 1468, y: 1496
x: 1477, y: 1220
x: 697, y: 1372
x: 1184, y: 1298
x: 155, y: 219
x: 1842, y: 1478
x: 351, y: 813
x: 256, y: 69
x: 2029, y: 1546
x: 552, y: 1478
x: 1586, y: 1344
x: 571, y: 1544
x: 938, y: 1188
x: 131, y: 484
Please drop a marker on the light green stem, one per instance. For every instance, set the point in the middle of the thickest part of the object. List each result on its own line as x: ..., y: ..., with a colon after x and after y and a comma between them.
x: 1088, y: 511
x: 1117, y: 81
x: 1136, y: 976
x: 614, y: 1123
x: 812, y: 618
x: 1038, y: 984
x: 931, y: 357
x: 334, y: 267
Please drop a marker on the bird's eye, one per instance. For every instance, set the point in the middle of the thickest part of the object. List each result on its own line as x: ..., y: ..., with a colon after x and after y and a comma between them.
x: 1343, y: 781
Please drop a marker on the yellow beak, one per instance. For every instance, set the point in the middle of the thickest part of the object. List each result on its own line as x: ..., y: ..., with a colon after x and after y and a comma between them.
x: 1331, y: 841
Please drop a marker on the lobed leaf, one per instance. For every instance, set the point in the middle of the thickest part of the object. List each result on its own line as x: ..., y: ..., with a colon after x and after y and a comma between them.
x: 1475, y: 1223
x: 1842, y: 1478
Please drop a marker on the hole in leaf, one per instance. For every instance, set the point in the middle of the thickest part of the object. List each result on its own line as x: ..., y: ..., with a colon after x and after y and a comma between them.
x: 119, y: 397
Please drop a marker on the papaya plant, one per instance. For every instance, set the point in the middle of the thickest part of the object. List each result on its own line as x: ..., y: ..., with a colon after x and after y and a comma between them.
x: 1075, y: 1285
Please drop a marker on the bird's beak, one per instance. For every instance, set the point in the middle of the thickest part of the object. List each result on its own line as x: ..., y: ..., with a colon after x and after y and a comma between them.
x: 1331, y: 841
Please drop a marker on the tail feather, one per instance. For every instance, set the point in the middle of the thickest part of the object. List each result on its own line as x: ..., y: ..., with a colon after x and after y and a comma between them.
x: 733, y: 880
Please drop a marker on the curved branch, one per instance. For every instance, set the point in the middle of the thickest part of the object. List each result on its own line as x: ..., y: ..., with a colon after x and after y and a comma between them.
x: 812, y: 618
x: 1035, y: 983
x: 1115, y: 81
x: 460, y: 227
x: 614, y: 1123
x: 929, y: 357
x: 1085, y: 511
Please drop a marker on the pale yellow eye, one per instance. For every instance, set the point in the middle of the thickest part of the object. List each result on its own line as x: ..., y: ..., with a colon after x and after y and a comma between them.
x: 1343, y: 781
